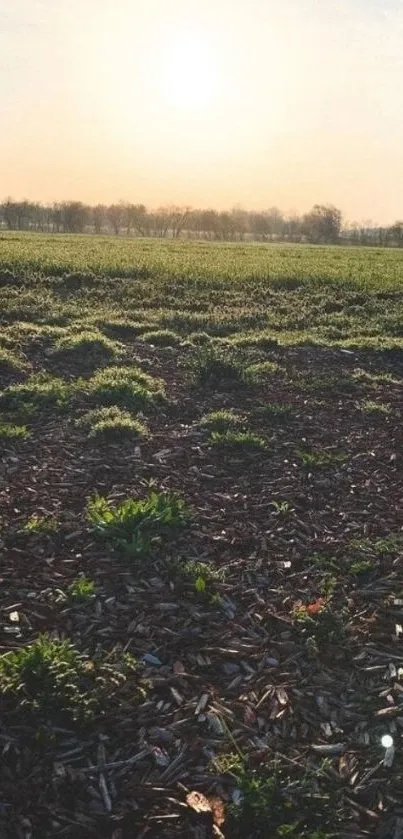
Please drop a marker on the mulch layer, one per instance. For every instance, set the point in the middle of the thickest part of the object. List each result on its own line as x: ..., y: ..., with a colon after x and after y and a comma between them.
x: 234, y: 673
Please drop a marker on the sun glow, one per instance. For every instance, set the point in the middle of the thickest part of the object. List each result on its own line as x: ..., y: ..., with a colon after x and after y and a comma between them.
x: 190, y: 74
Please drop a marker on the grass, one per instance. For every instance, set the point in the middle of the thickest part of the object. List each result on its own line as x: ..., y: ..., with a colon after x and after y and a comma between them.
x: 40, y: 392
x: 137, y: 526
x: 10, y: 363
x: 321, y: 459
x: 217, y: 368
x: 161, y: 338
x: 10, y: 433
x: 41, y: 524
x: 86, y: 347
x: 274, y: 413
x: 44, y: 679
x: 112, y: 425
x: 242, y: 440
x: 126, y: 387
x: 369, y: 406
x: 222, y: 420
x: 82, y: 590
x: 259, y: 371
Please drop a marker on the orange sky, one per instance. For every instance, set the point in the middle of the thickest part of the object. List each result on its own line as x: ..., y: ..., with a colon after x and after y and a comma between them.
x: 224, y: 102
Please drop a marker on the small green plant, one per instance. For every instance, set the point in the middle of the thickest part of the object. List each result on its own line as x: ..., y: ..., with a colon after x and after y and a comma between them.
x: 259, y: 371
x: 112, y: 425
x: 224, y: 419
x: 81, y: 590
x: 281, y: 508
x: 128, y: 387
x: 369, y: 406
x: 202, y: 576
x: 245, y: 440
x: 86, y: 347
x: 318, y: 459
x: 10, y: 363
x: 136, y: 526
x: 12, y: 433
x: 216, y: 367
x: 276, y: 414
x: 359, y: 567
x: 319, y: 623
x: 277, y: 805
x: 45, y: 679
x: 41, y: 524
x: 40, y: 392
x: 161, y: 338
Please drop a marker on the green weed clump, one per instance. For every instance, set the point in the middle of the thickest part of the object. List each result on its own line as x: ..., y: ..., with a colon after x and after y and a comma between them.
x: 274, y: 413
x: 202, y: 576
x: 278, y: 805
x: 86, y: 347
x: 10, y: 363
x: 82, y: 590
x: 260, y: 371
x: 137, y: 526
x: 127, y: 387
x: 216, y: 367
x: 10, y: 433
x: 369, y: 406
x: 162, y: 338
x: 224, y: 419
x: 45, y: 679
x: 243, y: 440
x: 41, y: 524
x: 321, y: 459
x: 40, y: 392
x: 112, y: 425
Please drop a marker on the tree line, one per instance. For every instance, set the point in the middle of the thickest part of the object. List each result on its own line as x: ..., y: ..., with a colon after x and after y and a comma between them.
x: 322, y: 225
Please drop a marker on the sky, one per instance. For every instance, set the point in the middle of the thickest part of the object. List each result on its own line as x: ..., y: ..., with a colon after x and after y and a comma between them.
x: 217, y: 103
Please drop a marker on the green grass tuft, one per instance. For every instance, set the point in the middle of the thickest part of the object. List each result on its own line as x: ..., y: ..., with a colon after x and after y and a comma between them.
x: 86, y: 347
x: 224, y: 419
x: 10, y: 433
x: 40, y: 392
x: 112, y: 425
x: 244, y: 440
x: 162, y: 338
x: 136, y: 526
x: 127, y: 387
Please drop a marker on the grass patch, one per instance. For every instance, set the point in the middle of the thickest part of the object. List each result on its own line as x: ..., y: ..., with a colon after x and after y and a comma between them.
x: 112, y: 425
x: 128, y: 387
x: 40, y: 392
x: 45, y: 679
x: 259, y: 371
x: 10, y: 363
x: 225, y: 419
x: 243, y: 440
x: 201, y: 576
x: 369, y: 406
x: 215, y: 367
x: 320, y: 459
x: 275, y: 413
x: 41, y: 524
x: 137, y: 526
x: 87, y: 347
x: 162, y: 338
x: 82, y: 590
x: 10, y: 433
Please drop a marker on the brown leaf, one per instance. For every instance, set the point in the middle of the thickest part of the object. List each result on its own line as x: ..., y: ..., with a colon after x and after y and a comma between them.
x: 217, y: 806
x: 198, y: 802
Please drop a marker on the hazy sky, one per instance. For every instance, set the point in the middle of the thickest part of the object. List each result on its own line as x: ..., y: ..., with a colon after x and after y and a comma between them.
x: 207, y: 102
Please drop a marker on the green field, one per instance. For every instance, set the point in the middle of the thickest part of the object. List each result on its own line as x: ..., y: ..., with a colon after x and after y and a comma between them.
x: 201, y: 538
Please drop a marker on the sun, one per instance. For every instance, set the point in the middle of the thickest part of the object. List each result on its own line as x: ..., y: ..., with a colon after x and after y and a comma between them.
x: 190, y: 77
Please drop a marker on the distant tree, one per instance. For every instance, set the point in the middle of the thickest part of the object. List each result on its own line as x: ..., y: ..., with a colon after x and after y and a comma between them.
x: 137, y: 219
x: 323, y: 224
x: 396, y: 233
x: 98, y: 214
x: 75, y: 216
x: 116, y: 217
